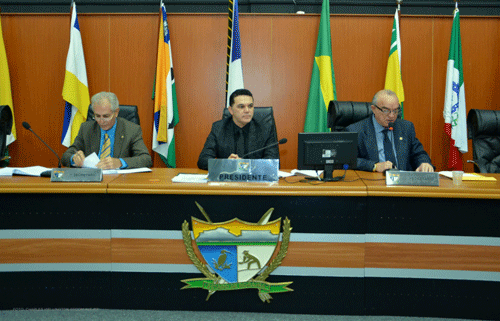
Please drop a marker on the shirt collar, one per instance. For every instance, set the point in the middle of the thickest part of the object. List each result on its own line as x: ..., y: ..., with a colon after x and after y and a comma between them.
x: 378, y: 128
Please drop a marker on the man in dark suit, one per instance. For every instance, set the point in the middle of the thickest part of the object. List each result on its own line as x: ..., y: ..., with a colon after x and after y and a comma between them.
x: 239, y: 134
x: 116, y: 141
x: 382, y: 146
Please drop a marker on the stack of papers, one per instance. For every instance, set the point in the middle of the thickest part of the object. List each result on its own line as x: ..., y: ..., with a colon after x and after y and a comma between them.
x: 190, y: 178
x: 26, y: 171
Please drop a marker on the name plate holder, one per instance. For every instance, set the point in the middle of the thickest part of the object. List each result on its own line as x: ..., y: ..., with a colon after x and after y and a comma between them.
x: 395, y: 177
x: 76, y: 175
x: 243, y: 170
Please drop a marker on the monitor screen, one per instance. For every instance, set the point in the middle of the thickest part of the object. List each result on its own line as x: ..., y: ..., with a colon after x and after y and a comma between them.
x: 327, y: 151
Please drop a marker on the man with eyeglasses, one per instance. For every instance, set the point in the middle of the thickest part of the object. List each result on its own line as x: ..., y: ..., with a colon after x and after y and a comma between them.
x: 382, y: 146
x: 117, y: 142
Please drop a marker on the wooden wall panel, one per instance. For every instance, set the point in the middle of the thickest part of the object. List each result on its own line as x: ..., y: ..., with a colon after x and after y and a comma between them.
x: 199, y: 45
x: 292, y: 43
x: 278, y: 51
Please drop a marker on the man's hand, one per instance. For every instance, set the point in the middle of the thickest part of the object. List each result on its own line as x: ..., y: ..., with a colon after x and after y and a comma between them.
x: 78, y: 158
x: 233, y: 156
x: 383, y: 166
x: 425, y: 167
x: 109, y: 163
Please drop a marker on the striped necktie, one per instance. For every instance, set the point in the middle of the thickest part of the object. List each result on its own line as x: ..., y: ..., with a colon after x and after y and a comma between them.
x: 106, y: 147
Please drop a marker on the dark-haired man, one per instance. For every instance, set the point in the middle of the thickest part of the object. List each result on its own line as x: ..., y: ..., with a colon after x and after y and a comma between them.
x: 235, y: 136
x: 382, y: 147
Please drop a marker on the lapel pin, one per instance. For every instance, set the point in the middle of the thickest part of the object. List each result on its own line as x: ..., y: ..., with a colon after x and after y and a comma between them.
x: 400, y: 138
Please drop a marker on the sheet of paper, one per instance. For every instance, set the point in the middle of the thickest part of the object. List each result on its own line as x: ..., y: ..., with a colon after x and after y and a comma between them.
x: 190, y: 178
x: 91, y: 161
x: 469, y: 176
x: 27, y: 171
x: 284, y: 174
x: 126, y: 171
x: 311, y: 173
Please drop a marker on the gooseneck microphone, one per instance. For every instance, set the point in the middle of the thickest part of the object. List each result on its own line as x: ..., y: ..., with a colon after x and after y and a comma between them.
x: 281, y: 141
x: 28, y: 127
x: 391, y: 128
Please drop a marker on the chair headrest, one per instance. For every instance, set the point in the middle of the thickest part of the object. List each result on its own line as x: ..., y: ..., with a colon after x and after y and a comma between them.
x: 5, y: 120
x: 128, y: 112
x: 259, y: 113
x: 345, y: 113
x: 483, y: 122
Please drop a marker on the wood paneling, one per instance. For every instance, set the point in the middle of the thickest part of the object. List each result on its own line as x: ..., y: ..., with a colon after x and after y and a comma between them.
x: 277, y: 50
x: 55, y: 251
x: 432, y: 256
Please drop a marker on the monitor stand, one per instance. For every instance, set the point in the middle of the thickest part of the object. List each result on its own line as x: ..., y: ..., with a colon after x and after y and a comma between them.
x: 328, y: 174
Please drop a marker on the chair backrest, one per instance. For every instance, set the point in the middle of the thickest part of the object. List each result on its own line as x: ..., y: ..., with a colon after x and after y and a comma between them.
x: 344, y: 113
x: 129, y: 112
x: 5, y: 127
x: 261, y: 114
x: 484, y: 130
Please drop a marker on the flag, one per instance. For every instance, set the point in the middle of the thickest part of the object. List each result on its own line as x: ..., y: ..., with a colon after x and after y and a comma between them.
x: 322, y: 89
x: 393, y: 78
x: 5, y: 90
x: 234, y: 69
x: 166, y: 115
x: 455, y: 121
x: 75, y: 89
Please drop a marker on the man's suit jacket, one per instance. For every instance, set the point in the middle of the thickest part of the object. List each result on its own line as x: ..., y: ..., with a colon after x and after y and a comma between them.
x: 220, y: 141
x: 128, y: 144
x: 409, y: 151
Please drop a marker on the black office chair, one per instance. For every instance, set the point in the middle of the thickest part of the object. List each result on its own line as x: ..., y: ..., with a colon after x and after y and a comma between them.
x: 5, y: 130
x: 261, y: 114
x: 129, y: 112
x: 484, y: 130
x: 344, y: 113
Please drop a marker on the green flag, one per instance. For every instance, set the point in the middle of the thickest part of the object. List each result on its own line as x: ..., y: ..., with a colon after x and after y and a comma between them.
x: 322, y: 89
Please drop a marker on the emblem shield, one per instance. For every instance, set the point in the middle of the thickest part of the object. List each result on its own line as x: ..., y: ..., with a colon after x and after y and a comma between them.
x: 236, y: 250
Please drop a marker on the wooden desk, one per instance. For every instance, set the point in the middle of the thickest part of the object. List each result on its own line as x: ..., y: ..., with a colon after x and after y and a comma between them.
x: 30, y: 184
x: 159, y: 181
x: 357, y: 247
x: 376, y: 186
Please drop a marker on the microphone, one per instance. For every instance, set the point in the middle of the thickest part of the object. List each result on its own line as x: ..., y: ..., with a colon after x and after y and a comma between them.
x: 281, y: 141
x: 46, y: 173
x: 391, y: 128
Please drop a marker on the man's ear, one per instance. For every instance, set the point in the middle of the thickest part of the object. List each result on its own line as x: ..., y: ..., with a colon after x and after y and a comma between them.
x: 230, y: 110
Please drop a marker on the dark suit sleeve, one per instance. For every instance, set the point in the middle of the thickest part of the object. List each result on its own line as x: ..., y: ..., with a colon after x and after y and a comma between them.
x: 417, y: 153
x: 363, y: 162
x: 78, y: 144
x: 272, y: 152
x: 209, y: 150
x: 138, y: 152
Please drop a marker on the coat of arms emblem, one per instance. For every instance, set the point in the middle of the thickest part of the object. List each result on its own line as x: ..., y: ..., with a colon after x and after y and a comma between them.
x: 237, y: 254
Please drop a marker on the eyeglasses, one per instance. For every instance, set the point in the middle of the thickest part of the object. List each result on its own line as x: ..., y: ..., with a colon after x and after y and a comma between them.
x: 387, y: 111
x: 103, y: 117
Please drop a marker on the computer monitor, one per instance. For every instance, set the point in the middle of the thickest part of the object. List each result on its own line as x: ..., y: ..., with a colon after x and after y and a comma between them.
x: 327, y: 151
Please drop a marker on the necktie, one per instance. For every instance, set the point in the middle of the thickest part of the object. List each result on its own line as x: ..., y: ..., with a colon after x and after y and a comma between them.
x: 106, y: 147
x: 389, y: 153
x: 240, y: 143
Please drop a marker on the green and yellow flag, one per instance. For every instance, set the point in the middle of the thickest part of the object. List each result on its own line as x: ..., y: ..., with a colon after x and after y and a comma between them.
x: 393, y: 79
x: 322, y: 89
